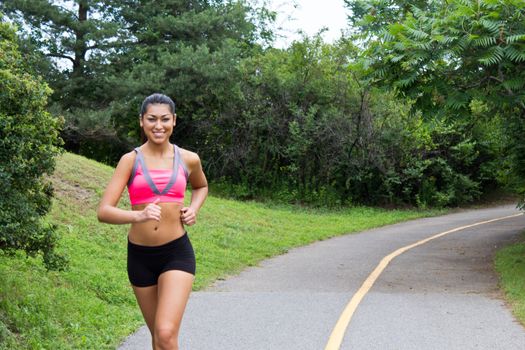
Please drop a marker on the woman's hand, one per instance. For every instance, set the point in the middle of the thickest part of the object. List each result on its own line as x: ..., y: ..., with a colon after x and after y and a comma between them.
x: 151, y: 212
x: 188, y: 216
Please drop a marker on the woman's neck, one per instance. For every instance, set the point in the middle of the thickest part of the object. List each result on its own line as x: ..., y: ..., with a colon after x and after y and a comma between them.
x: 156, y: 150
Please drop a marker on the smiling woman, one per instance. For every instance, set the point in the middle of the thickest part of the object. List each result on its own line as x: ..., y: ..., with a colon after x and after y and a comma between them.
x: 157, y: 118
x: 161, y: 261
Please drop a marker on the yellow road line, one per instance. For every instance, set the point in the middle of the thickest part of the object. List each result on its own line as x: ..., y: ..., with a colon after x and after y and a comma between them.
x: 336, y: 338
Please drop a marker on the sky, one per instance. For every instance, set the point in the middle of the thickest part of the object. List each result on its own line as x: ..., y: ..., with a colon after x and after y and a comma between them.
x: 309, y: 16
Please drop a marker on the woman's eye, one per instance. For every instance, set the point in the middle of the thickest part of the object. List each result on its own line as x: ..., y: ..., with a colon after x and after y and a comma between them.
x: 165, y: 120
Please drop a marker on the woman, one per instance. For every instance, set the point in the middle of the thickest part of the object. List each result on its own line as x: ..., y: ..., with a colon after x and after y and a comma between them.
x: 161, y: 262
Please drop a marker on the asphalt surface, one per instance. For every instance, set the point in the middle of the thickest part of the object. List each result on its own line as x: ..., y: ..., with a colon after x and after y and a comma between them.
x: 441, y: 295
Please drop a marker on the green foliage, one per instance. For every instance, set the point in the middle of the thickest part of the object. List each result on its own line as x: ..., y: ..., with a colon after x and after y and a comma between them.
x: 76, y: 38
x: 72, y: 43
x: 28, y: 145
x: 513, y: 170
x: 290, y: 112
x: 91, y: 133
x: 371, y: 16
x: 190, y: 51
x: 446, y: 54
x: 106, y: 56
x: 302, y: 124
x: 510, y: 264
x: 310, y: 130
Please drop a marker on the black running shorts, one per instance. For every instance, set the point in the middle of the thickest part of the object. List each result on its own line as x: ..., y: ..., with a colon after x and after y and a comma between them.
x: 146, y: 263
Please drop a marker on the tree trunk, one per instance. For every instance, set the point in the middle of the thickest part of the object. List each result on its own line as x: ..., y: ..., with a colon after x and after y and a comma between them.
x: 80, y: 42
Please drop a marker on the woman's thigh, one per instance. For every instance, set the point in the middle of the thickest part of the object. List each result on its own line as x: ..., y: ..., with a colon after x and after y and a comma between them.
x: 147, y: 298
x: 174, y: 288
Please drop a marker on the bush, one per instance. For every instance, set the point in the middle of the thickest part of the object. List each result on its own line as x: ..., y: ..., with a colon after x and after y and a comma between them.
x: 309, y: 130
x: 92, y: 134
x: 28, y: 144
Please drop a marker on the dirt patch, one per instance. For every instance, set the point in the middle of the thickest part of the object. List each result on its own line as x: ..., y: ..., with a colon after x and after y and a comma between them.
x: 73, y: 191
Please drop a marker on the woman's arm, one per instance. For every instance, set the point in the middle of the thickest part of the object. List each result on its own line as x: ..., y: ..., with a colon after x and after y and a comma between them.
x: 107, y: 210
x: 199, y: 186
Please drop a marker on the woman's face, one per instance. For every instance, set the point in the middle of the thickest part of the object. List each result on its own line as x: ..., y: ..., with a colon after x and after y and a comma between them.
x: 158, y: 123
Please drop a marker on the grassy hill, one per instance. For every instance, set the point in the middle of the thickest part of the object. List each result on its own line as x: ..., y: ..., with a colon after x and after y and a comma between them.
x: 91, y: 306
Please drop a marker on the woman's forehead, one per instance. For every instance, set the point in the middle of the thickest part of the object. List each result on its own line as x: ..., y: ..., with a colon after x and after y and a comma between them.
x: 158, y: 109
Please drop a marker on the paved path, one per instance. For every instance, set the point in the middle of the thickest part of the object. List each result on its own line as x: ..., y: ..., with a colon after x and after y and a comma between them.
x: 441, y: 295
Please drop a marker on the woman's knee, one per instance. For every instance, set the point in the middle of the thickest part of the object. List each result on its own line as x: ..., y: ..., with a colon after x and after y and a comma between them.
x: 165, y: 337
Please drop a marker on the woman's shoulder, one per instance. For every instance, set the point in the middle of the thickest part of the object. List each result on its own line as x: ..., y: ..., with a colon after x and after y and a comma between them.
x: 189, y: 157
x: 128, y: 158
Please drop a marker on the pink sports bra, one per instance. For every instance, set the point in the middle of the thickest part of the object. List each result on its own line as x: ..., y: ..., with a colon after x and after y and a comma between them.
x: 169, y: 185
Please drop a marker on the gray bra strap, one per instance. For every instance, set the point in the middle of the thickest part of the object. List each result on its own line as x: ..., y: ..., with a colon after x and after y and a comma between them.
x: 135, y: 166
x: 147, y: 175
x: 181, y: 162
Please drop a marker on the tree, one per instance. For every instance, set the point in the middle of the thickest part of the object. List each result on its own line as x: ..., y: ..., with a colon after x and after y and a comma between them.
x: 28, y: 144
x: 371, y: 16
x: 70, y: 44
x: 190, y: 50
x: 77, y: 37
x: 119, y: 51
x: 461, y: 54
x: 309, y: 129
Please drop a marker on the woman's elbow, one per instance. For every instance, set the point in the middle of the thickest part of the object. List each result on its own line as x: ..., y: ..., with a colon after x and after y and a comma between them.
x: 100, y: 214
x: 203, y: 190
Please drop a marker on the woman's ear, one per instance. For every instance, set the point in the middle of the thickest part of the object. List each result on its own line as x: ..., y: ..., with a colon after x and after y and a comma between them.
x: 174, y: 119
x: 140, y: 122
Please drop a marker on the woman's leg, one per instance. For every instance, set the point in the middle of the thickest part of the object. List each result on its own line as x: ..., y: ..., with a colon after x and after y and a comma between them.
x: 147, y: 299
x: 174, y: 289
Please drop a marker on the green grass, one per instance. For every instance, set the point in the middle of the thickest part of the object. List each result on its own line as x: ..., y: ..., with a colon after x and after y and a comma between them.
x: 91, y: 306
x: 510, y: 264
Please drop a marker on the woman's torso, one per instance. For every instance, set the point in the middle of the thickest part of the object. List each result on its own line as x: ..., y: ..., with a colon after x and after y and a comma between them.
x: 153, y: 233
x: 156, y: 178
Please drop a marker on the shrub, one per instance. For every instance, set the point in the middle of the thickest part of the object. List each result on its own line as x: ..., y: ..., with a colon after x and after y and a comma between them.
x: 28, y: 144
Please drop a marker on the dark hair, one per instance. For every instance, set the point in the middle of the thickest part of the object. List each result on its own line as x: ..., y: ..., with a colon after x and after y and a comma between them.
x: 157, y: 99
